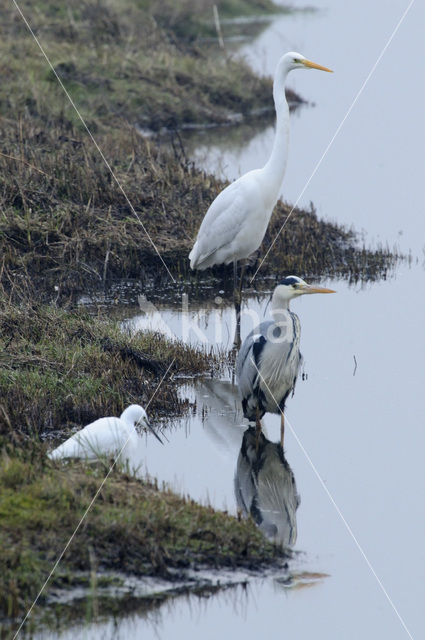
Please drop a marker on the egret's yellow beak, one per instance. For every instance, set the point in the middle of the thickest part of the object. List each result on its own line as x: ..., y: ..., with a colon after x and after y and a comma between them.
x: 313, y: 65
x: 308, y: 288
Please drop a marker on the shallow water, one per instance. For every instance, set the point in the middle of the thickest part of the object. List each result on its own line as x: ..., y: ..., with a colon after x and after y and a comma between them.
x: 360, y: 428
x: 363, y: 430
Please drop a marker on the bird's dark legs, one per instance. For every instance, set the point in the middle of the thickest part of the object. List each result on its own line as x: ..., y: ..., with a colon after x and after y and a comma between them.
x: 237, y: 299
x: 237, y: 341
x: 282, y: 427
x: 237, y: 304
x: 258, y: 429
x: 235, y: 277
x: 241, y: 282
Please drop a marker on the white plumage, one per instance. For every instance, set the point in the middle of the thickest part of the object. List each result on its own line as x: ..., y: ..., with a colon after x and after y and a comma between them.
x: 235, y: 224
x: 105, y: 437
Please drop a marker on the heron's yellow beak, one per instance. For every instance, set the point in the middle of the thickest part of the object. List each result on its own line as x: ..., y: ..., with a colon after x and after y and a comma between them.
x: 313, y: 65
x: 307, y: 288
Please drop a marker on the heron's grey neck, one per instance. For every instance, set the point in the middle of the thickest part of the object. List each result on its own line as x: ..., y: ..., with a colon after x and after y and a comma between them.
x: 276, y: 164
x: 279, y: 308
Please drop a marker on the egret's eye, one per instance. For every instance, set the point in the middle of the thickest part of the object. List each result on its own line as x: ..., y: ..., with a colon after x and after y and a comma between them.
x: 296, y: 60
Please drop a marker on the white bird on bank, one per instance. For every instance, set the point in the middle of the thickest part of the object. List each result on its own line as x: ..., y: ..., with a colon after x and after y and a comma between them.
x: 235, y: 224
x: 106, y: 436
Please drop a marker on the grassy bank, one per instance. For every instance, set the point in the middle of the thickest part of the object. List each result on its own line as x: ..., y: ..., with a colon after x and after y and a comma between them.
x: 133, y: 528
x: 58, y: 370
x: 65, y: 223
x: 62, y: 369
x: 138, y: 62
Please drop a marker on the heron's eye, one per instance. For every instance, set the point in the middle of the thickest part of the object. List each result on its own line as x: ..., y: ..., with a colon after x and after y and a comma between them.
x: 295, y: 286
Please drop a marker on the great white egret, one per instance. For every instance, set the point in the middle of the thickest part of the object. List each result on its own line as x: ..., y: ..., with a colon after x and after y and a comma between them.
x: 106, y: 436
x: 269, y: 360
x: 235, y: 223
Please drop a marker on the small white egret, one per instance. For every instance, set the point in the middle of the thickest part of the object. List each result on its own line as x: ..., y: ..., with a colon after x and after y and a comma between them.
x: 106, y: 436
x: 235, y: 223
x: 269, y: 360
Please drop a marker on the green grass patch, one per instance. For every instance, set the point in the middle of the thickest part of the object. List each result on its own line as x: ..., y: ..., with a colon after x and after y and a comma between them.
x: 125, y: 62
x: 133, y: 528
x: 61, y: 369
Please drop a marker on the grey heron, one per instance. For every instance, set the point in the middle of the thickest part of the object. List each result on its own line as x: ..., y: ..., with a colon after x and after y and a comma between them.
x: 269, y: 359
x: 235, y: 223
x: 106, y: 436
x: 265, y: 488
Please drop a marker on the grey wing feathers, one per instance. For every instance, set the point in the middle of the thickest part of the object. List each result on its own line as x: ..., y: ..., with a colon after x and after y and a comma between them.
x: 248, y: 356
x: 267, y: 367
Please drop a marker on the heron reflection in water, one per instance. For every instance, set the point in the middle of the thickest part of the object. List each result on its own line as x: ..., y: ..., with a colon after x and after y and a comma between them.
x: 265, y: 488
x: 264, y: 484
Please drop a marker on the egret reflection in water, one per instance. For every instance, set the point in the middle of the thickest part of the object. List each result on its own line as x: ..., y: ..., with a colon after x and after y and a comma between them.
x: 265, y: 487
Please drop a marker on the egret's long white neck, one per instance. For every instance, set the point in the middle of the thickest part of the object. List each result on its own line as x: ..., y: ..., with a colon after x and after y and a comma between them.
x: 276, y: 164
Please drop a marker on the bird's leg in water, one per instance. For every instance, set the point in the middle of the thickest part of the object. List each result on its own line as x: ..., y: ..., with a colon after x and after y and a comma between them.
x: 241, y: 282
x: 237, y: 303
x: 235, y: 277
x: 258, y: 429
x: 282, y: 427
